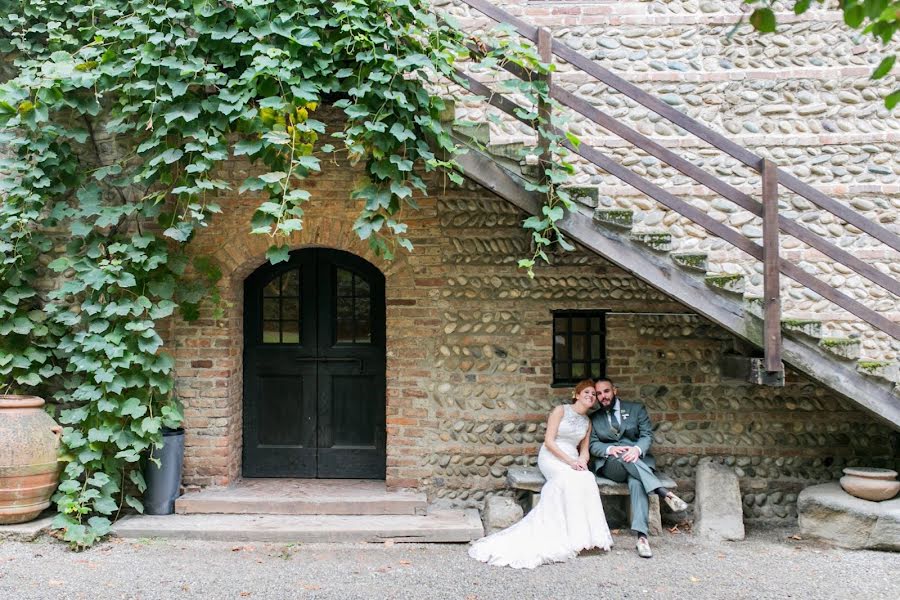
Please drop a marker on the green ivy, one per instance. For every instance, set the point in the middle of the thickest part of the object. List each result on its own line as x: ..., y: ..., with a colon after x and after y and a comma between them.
x: 113, y: 120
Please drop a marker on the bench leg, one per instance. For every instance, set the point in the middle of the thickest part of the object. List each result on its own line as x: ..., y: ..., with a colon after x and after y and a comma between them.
x: 654, y: 523
x: 535, y: 498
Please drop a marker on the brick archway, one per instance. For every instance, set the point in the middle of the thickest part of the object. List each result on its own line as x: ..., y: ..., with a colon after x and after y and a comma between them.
x: 209, y: 353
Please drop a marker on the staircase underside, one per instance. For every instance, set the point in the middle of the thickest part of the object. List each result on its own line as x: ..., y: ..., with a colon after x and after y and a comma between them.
x: 876, y: 397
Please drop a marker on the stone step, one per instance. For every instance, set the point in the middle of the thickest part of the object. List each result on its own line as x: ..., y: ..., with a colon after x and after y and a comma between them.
x: 619, y: 219
x: 808, y: 327
x: 845, y: 348
x: 731, y: 283
x: 587, y: 195
x: 889, y: 371
x: 302, y: 497
x: 657, y: 241
x: 692, y: 261
x: 513, y: 150
x: 479, y: 132
x: 437, y: 526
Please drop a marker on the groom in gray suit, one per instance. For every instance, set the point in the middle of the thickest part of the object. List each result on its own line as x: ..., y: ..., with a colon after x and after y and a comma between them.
x: 621, y: 435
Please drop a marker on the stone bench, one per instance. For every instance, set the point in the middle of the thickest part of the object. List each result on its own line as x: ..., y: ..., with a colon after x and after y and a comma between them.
x: 530, y: 480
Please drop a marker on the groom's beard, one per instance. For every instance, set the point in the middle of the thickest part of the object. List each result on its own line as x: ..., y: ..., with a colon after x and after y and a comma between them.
x: 611, y: 406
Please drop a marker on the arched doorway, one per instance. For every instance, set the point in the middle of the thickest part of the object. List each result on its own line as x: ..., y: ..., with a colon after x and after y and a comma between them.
x: 314, y: 368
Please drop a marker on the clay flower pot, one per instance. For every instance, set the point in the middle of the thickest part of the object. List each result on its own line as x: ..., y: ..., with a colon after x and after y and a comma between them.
x: 29, y: 465
x: 870, y: 484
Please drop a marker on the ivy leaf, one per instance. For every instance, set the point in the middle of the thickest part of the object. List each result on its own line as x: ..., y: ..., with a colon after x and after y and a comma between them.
x: 763, y: 20
x: 892, y: 99
x: 134, y: 503
x: 171, y: 155
x: 247, y: 147
x: 854, y: 15
x: 273, y: 177
x: 105, y: 506
x: 100, y: 525
x: 401, y: 133
x: 133, y: 408
x: 277, y: 254
x: 884, y: 67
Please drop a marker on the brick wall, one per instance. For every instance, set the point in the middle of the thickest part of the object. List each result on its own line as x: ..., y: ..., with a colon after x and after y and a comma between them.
x: 469, y: 349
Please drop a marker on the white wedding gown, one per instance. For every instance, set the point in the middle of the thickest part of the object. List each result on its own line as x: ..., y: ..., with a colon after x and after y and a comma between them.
x: 569, y: 517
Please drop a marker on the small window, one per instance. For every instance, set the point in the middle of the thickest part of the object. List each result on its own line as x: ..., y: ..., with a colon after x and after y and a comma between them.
x: 353, y: 317
x: 281, y: 309
x: 579, y: 346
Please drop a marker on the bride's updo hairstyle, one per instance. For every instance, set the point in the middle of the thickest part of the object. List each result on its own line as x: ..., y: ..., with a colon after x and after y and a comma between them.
x: 584, y: 383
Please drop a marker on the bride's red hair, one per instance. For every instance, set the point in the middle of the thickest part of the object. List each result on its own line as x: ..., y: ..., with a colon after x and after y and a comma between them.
x: 584, y: 383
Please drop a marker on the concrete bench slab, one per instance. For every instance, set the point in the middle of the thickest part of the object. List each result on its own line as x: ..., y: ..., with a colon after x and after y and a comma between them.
x: 532, y: 481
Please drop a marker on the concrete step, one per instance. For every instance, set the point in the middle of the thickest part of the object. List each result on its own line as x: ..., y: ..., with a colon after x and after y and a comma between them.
x: 731, y: 283
x: 302, y: 497
x: 475, y: 130
x: 808, y: 327
x: 841, y: 347
x: 616, y: 218
x: 437, y: 526
x: 888, y: 371
x: 585, y: 194
x: 692, y: 261
x: 657, y: 241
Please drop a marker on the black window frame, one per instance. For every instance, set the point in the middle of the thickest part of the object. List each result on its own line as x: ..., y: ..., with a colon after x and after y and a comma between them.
x: 588, y: 359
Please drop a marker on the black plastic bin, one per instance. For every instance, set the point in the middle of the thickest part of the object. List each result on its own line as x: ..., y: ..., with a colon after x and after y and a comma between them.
x: 164, y: 481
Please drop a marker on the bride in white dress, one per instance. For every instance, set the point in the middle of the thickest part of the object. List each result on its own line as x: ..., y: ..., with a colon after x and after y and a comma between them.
x: 569, y: 517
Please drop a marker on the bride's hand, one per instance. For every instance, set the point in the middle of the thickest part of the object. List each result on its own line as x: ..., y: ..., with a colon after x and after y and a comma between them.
x: 579, y: 465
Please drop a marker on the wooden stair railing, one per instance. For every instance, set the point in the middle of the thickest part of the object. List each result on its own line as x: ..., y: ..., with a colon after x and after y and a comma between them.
x: 771, y: 177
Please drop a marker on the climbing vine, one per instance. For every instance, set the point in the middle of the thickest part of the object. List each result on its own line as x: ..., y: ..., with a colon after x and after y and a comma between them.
x: 114, y: 118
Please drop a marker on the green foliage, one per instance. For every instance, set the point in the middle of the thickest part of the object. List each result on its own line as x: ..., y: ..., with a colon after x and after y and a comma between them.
x: 878, y: 19
x: 114, y: 122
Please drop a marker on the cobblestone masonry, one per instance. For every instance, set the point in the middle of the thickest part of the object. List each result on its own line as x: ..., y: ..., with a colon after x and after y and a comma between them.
x: 802, y: 98
x: 469, y: 350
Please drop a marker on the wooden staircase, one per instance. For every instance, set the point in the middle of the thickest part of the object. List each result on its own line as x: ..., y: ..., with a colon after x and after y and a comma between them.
x: 651, y: 254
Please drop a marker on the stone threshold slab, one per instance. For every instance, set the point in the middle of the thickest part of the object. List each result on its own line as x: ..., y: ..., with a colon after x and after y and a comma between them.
x: 442, y: 526
x: 302, y: 497
x: 25, y: 532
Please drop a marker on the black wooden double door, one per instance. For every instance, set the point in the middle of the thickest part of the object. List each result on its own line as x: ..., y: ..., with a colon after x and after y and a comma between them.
x: 314, y: 368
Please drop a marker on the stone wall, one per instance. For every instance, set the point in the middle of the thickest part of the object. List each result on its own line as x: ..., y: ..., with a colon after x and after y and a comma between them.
x: 802, y: 98
x: 469, y: 351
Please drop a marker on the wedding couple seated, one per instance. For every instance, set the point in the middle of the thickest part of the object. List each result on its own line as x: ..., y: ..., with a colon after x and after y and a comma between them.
x: 612, y: 442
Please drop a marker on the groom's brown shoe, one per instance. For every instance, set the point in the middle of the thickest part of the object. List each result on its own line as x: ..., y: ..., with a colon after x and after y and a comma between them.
x: 643, y: 547
x: 676, y: 503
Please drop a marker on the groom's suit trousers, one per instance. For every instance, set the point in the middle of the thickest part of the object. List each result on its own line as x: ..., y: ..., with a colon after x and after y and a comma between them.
x: 641, y: 482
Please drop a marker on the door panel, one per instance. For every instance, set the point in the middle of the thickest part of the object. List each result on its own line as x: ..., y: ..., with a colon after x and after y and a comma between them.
x: 353, y: 416
x: 314, y: 403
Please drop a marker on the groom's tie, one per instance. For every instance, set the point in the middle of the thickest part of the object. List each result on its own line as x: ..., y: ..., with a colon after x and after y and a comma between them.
x: 613, y: 421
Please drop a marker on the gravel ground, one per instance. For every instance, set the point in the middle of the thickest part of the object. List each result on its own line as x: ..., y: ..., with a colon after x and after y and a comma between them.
x: 769, y: 564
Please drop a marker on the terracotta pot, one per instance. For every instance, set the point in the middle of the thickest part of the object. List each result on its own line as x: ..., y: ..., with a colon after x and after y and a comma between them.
x: 870, y: 484
x: 29, y: 451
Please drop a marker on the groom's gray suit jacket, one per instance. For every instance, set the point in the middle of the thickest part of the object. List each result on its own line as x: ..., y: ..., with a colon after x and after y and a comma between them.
x: 635, y: 429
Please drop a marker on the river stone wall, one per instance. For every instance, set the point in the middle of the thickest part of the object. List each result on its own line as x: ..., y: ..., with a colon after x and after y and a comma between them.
x: 801, y: 97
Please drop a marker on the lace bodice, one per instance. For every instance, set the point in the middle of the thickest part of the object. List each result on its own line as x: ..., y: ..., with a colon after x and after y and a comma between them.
x: 572, y: 427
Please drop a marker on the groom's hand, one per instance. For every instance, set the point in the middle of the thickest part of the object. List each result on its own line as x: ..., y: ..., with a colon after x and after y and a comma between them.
x: 631, y: 454
x: 616, y: 450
